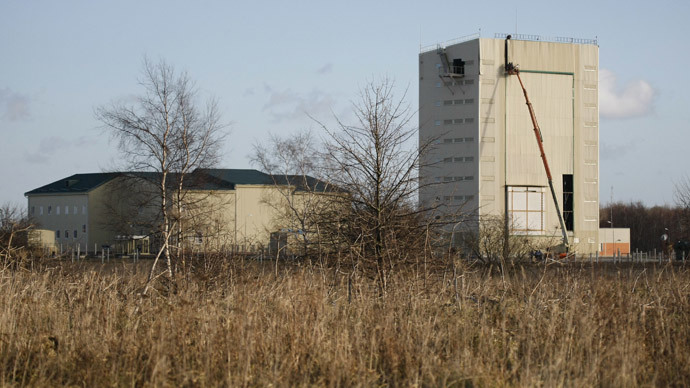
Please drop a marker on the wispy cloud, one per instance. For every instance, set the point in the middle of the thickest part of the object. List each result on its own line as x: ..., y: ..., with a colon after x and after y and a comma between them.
x: 50, y: 146
x: 633, y: 100
x: 13, y: 106
x: 290, y: 105
x: 325, y: 69
x: 614, y: 151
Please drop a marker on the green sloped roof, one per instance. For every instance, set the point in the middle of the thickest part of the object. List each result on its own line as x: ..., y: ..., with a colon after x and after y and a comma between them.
x: 256, y: 177
x: 77, y: 183
x: 205, y: 179
x: 306, y: 183
x: 240, y: 176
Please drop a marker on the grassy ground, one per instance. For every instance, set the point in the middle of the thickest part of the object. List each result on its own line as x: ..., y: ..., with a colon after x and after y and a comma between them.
x: 573, y: 325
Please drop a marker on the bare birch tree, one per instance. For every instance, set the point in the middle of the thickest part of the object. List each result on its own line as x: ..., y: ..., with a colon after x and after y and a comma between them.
x: 376, y: 160
x: 196, y: 145
x: 164, y: 132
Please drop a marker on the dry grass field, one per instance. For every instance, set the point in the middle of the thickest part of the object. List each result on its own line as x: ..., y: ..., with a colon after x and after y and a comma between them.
x: 87, y: 325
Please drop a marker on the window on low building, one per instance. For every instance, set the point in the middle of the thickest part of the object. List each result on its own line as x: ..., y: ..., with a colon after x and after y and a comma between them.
x: 66, y: 233
x: 66, y: 209
x: 83, y: 228
x: 40, y: 210
x: 75, y: 234
x: 57, y: 234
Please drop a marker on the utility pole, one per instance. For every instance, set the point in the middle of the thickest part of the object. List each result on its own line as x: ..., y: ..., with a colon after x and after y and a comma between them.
x: 613, y: 231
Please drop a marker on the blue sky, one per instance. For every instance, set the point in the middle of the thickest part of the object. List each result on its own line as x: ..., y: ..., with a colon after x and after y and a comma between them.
x: 269, y: 63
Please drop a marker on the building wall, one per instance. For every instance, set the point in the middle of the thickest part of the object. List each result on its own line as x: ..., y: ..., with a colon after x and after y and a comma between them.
x: 42, y: 239
x: 121, y: 207
x: 561, y: 81
x: 210, y: 220
x: 614, y: 241
x: 241, y: 219
x: 448, y: 118
x: 65, y: 214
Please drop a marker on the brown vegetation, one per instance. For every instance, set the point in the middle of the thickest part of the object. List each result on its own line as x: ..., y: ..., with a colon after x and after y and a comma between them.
x: 244, y: 326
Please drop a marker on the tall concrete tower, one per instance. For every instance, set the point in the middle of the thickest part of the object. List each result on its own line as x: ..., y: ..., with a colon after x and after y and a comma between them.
x: 485, y: 160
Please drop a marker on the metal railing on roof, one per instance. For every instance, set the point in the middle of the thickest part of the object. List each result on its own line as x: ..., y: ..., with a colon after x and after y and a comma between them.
x: 461, y: 39
x: 539, y: 38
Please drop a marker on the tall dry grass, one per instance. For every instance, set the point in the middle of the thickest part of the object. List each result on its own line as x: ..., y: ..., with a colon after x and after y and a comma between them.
x: 556, y: 326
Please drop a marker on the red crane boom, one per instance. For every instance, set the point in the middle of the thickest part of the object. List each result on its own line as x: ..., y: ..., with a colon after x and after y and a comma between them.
x: 513, y: 70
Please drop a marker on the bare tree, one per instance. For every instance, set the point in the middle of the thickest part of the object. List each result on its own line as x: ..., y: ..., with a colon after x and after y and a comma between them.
x: 165, y: 132
x: 305, y: 203
x: 196, y: 145
x: 14, y: 226
x: 682, y: 197
x: 486, y: 241
x: 376, y: 160
x: 649, y: 224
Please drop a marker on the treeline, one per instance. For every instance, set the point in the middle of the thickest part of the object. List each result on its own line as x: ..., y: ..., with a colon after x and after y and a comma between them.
x: 647, y: 224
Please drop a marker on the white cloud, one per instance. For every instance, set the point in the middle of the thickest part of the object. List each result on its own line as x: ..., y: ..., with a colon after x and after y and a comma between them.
x: 634, y: 100
x: 13, y: 106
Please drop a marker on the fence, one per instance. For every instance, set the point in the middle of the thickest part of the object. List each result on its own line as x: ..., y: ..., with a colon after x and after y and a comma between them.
x: 539, y: 38
x: 635, y: 257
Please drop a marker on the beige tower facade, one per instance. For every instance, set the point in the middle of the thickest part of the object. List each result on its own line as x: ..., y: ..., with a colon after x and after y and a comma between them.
x: 485, y: 160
